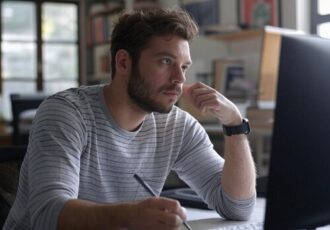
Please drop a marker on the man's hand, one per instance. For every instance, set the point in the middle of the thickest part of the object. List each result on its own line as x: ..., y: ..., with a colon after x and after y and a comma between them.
x: 156, y: 213
x: 208, y: 100
x: 238, y: 175
x: 149, y: 214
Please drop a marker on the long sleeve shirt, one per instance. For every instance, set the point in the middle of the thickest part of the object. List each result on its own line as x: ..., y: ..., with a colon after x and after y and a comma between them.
x: 77, y: 151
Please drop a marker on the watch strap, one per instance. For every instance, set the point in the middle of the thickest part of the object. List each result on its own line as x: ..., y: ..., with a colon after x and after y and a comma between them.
x: 243, y: 128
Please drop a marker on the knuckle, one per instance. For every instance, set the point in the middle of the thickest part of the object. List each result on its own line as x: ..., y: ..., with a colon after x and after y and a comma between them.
x: 176, y: 204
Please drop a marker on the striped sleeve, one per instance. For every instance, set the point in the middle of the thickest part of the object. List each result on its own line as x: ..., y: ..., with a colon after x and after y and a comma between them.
x: 57, y: 140
x: 200, y: 166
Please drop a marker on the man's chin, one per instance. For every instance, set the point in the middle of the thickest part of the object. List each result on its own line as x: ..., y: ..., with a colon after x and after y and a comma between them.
x: 163, y: 109
x: 153, y: 106
x: 167, y: 110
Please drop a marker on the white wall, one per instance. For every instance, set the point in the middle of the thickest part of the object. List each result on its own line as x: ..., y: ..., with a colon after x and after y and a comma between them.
x: 296, y: 15
x: 288, y: 13
x: 203, y: 52
x: 249, y: 51
x: 303, y: 15
x: 228, y: 12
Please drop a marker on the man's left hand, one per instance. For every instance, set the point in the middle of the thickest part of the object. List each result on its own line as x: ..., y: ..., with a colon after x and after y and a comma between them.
x: 209, y: 100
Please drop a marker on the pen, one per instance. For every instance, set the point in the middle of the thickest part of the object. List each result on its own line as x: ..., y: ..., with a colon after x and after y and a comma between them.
x: 149, y: 189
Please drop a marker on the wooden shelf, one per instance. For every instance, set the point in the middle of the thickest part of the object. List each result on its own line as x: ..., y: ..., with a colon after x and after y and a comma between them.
x: 240, y: 35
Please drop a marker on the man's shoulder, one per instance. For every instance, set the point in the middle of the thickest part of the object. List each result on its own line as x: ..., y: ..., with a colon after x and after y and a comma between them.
x: 81, y: 100
x: 79, y: 92
x: 78, y: 96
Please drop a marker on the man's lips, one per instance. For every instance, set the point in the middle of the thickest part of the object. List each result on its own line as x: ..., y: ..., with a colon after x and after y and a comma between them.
x: 171, y: 94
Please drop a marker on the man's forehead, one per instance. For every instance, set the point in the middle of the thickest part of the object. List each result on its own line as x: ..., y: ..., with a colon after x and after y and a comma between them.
x: 169, y: 46
x: 167, y: 38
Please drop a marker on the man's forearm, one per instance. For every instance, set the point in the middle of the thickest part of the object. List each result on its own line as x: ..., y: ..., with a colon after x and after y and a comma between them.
x: 238, y: 176
x: 80, y: 214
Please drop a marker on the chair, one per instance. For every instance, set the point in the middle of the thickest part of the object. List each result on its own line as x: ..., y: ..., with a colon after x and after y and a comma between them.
x: 20, y: 104
x: 11, y: 158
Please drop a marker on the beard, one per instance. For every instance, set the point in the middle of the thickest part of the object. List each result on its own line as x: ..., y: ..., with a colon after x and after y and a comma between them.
x: 142, y: 95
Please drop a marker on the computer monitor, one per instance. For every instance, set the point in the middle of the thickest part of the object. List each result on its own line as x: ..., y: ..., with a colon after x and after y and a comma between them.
x: 298, y: 194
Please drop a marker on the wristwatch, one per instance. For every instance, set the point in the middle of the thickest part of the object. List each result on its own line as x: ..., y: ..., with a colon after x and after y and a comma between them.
x: 243, y: 128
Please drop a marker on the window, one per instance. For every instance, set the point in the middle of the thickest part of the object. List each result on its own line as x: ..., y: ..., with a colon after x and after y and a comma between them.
x: 320, y: 17
x: 39, y: 48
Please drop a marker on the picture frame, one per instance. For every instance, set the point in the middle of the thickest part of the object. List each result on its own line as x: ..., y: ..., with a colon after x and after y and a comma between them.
x: 229, y: 75
x: 259, y: 13
x: 102, y: 62
x: 206, y: 13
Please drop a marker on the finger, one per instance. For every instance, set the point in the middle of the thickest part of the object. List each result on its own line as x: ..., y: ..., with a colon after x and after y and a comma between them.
x: 173, y: 206
x: 207, y: 99
x: 196, y: 93
x: 167, y: 219
x: 199, y: 85
x: 193, y: 88
x: 186, y: 89
x: 171, y: 219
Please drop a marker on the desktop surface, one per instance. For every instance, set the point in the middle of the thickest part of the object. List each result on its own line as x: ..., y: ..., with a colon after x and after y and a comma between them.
x: 201, y: 219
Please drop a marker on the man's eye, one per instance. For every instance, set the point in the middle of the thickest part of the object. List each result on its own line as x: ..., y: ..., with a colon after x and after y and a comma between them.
x: 166, y: 61
x: 184, y: 68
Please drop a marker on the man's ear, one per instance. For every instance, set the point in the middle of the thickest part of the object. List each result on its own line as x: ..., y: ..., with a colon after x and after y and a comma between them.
x: 123, y: 62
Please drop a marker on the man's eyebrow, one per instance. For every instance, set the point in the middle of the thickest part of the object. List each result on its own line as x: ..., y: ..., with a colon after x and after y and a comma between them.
x: 164, y: 53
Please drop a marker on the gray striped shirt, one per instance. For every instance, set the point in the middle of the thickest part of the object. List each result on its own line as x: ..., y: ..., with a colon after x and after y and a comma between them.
x: 77, y: 150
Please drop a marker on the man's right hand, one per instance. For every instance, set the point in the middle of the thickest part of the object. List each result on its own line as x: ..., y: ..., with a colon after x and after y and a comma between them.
x: 149, y: 214
x: 156, y: 213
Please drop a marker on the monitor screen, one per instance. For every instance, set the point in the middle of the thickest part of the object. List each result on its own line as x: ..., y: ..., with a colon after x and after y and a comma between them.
x: 298, y: 194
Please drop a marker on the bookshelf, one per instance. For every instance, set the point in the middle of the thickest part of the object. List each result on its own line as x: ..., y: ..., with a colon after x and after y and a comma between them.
x: 237, y: 35
x: 101, y: 16
x: 266, y: 42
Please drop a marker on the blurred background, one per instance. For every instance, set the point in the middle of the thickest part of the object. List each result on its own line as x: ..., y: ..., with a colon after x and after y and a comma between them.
x: 48, y: 46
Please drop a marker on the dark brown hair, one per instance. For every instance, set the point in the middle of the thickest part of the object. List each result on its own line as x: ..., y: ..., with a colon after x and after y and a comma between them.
x: 134, y: 30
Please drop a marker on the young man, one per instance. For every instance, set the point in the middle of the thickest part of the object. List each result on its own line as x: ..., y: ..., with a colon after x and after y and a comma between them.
x: 86, y: 144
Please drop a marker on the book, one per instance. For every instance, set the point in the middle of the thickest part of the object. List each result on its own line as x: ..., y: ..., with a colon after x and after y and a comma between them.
x: 204, y: 12
x: 229, y: 78
x: 102, y: 61
x: 99, y: 25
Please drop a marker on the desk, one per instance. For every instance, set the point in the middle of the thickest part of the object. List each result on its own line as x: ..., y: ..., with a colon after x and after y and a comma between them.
x: 207, y: 219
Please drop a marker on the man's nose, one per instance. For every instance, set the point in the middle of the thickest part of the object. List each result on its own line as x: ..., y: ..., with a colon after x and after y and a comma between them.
x: 178, y: 76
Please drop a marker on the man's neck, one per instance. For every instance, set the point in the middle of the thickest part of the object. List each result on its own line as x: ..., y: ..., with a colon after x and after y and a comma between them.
x: 127, y: 115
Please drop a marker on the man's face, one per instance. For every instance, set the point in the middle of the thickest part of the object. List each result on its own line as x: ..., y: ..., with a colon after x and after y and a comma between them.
x: 156, y: 80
